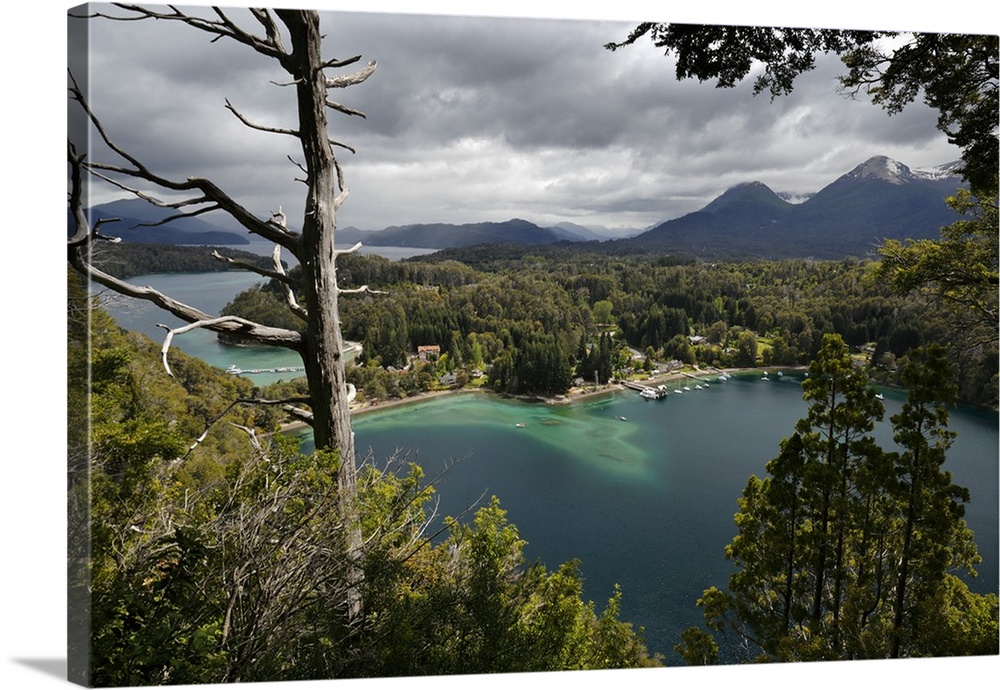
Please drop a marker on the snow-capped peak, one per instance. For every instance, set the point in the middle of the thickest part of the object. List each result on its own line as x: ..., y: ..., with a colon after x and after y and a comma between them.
x: 939, y: 172
x: 883, y: 168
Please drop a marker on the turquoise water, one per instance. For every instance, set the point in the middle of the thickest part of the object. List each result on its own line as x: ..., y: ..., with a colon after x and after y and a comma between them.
x: 647, y: 503
x: 209, y: 292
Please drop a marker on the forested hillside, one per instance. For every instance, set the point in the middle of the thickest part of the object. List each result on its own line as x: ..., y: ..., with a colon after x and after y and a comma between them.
x: 218, y: 557
x: 534, y: 318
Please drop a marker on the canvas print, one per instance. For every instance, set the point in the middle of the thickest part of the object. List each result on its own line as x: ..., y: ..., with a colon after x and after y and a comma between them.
x: 403, y: 345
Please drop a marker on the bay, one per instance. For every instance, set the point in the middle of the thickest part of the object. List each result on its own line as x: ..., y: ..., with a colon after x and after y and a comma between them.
x: 646, y: 503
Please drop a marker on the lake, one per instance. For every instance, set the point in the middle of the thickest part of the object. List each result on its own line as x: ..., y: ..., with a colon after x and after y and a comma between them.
x: 647, y: 503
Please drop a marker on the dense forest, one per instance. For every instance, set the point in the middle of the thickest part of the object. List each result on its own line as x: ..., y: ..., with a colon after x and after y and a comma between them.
x: 534, y: 319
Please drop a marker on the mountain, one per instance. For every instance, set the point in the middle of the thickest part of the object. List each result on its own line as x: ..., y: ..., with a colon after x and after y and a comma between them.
x: 135, y: 214
x: 879, y: 199
x: 445, y: 235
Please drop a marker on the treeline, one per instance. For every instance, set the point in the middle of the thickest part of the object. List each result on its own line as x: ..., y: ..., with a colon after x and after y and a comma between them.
x: 533, y: 318
x: 223, y: 559
x: 131, y: 259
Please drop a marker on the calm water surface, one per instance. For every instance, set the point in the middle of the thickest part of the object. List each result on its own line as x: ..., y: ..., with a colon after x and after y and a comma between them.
x: 647, y: 503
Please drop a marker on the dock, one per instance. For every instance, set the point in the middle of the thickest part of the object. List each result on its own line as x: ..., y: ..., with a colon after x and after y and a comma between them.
x: 646, y: 391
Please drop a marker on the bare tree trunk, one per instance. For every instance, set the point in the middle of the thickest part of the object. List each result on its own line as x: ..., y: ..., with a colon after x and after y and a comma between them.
x: 323, y: 344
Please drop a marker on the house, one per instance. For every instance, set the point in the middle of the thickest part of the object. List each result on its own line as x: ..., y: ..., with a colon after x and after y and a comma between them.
x: 426, y: 352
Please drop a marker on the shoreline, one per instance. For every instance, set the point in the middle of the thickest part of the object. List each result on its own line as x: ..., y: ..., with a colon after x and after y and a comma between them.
x: 573, y: 395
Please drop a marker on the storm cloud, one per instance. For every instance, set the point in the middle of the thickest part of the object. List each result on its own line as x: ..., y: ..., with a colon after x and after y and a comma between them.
x: 487, y: 118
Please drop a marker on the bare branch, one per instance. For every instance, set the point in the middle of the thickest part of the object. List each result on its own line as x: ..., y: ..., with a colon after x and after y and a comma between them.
x: 344, y: 81
x: 360, y: 290
x: 343, y: 146
x: 246, y: 265
x: 204, y: 323
x: 211, y: 192
x: 341, y: 198
x: 356, y: 247
x: 223, y: 27
x: 344, y: 109
x: 252, y: 125
x: 293, y: 304
x: 337, y: 64
x: 298, y: 413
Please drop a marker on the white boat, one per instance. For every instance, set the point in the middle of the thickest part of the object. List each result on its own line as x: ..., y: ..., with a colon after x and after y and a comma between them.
x: 624, y: 419
x: 649, y: 394
x: 879, y: 396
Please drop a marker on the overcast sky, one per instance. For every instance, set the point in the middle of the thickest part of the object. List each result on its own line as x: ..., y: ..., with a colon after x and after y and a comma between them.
x: 485, y: 119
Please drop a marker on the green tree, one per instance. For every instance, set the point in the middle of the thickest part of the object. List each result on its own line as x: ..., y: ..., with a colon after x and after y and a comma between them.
x: 958, y: 272
x: 602, y: 312
x: 845, y: 551
x: 933, y: 536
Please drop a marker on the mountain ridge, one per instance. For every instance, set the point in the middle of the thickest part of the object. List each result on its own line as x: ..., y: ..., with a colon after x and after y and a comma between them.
x: 876, y: 200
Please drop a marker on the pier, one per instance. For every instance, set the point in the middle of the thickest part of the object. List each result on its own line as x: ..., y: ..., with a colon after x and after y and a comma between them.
x: 646, y: 391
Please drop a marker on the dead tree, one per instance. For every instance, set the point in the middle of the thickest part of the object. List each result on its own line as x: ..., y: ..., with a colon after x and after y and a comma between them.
x: 293, y: 39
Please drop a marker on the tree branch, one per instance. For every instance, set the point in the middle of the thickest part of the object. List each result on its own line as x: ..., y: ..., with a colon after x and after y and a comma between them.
x: 346, y: 80
x: 252, y: 125
x: 203, y: 323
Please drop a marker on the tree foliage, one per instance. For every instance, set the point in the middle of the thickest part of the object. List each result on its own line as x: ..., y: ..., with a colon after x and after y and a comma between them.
x: 844, y: 550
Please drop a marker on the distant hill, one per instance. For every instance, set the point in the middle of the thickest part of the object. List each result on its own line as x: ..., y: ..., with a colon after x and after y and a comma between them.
x: 879, y: 199
x: 136, y: 215
x: 445, y: 235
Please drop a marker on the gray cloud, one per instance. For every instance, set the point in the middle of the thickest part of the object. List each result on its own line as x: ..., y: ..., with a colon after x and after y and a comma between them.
x: 472, y: 118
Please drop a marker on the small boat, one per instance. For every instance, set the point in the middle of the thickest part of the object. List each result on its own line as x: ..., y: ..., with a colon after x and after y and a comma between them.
x: 687, y: 388
x: 520, y: 425
x: 879, y: 396
x: 624, y: 419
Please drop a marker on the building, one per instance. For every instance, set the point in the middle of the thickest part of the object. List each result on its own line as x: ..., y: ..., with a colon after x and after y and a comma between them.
x: 426, y: 352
